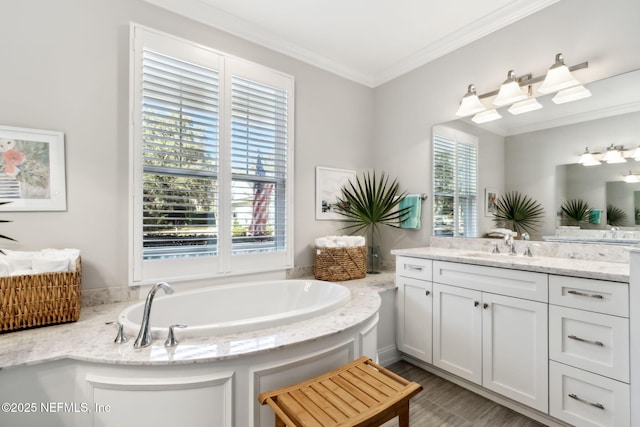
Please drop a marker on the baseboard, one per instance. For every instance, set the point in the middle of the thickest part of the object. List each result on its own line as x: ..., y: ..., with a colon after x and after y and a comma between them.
x: 388, y: 355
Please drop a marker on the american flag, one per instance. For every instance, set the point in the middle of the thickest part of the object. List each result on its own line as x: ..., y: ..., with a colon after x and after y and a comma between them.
x: 261, y: 196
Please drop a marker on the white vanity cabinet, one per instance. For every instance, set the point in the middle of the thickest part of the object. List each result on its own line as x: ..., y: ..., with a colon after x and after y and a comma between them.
x: 589, y: 351
x: 495, y: 340
x: 414, y: 307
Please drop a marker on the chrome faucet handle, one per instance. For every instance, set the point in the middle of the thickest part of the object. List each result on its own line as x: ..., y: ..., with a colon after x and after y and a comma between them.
x: 512, y: 249
x: 121, y: 338
x: 494, y: 249
x: 527, y: 251
x: 171, y: 338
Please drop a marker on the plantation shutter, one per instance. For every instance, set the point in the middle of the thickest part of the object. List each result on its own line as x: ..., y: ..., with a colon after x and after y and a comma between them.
x: 454, y: 184
x: 259, y: 166
x: 180, y: 157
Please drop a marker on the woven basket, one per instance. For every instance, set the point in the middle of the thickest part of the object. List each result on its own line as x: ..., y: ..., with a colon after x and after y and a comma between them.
x: 339, y: 264
x: 40, y: 299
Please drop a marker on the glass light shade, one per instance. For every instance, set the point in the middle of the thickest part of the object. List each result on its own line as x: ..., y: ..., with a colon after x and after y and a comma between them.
x: 587, y: 159
x: 558, y: 77
x: 614, y: 155
x: 525, y: 106
x: 631, y: 178
x: 510, y: 91
x: 572, y: 94
x: 470, y: 103
x: 486, y: 116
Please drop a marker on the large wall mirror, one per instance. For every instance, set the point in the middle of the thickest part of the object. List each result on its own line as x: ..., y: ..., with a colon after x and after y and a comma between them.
x: 536, y: 153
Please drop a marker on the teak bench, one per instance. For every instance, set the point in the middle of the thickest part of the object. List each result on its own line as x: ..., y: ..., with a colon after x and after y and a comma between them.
x: 361, y: 393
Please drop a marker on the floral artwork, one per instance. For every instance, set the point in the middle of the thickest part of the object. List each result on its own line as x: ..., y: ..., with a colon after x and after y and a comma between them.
x: 31, y: 169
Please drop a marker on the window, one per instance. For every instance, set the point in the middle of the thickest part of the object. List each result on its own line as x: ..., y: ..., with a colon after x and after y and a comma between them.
x: 211, y: 156
x: 455, y: 159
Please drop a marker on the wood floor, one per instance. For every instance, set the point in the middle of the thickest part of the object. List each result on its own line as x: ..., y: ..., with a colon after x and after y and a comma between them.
x: 442, y: 403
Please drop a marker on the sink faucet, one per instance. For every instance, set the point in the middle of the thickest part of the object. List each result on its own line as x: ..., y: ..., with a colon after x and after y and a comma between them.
x: 614, y: 231
x: 144, y: 336
x: 508, y: 240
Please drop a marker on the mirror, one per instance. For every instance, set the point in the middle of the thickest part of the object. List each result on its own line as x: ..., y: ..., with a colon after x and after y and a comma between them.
x: 534, y: 144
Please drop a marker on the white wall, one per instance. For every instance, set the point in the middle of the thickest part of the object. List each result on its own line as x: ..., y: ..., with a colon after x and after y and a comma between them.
x: 604, y: 33
x: 65, y: 67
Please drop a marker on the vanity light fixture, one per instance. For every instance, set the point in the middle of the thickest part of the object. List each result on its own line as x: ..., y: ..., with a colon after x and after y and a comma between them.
x: 517, y: 92
x: 470, y: 103
x: 486, y: 116
x: 630, y: 178
x: 510, y: 91
x: 558, y: 77
x: 614, y: 155
x: 587, y: 158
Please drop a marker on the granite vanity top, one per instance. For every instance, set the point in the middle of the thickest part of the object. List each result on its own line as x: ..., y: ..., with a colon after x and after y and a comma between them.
x: 589, y: 269
x: 89, y: 339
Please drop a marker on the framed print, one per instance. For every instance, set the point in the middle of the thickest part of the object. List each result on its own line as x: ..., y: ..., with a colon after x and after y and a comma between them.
x: 490, y: 198
x: 32, y: 171
x: 329, y: 182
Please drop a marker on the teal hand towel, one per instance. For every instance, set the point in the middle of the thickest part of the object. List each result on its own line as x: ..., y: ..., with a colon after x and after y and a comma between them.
x: 412, y: 220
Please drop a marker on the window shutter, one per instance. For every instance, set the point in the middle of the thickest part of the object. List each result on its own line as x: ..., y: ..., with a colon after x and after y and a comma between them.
x: 180, y: 157
x: 454, y: 185
x: 259, y: 166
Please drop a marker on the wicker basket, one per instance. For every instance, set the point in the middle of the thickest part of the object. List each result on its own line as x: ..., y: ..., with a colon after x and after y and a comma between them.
x: 40, y: 299
x: 339, y: 264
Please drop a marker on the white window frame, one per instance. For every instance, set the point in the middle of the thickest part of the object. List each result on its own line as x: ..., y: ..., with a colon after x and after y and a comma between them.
x: 143, y: 272
x: 458, y: 137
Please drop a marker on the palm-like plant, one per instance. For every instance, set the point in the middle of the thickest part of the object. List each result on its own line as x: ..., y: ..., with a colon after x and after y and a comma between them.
x: 518, y: 212
x: 2, y: 236
x: 370, y: 202
x: 575, y: 211
x: 616, y: 216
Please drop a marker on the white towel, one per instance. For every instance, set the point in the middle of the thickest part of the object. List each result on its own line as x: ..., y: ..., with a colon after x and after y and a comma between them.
x: 50, y: 263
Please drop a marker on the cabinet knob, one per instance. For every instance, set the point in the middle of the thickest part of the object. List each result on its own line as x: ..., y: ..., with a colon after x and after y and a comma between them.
x: 476, y: 303
x: 427, y: 293
x: 485, y: 305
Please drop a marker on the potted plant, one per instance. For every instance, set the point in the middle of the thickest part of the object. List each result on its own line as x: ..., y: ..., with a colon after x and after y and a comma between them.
x: 616, y: 216
x: 575, y: 211
x: 518, y: 212
x: 368, y: 203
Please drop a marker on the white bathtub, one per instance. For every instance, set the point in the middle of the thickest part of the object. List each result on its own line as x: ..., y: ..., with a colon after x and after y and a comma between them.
x: 239, y: 307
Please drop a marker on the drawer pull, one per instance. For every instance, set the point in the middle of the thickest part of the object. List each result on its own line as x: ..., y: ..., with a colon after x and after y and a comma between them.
x: 427, y: 293
x: 598, y: 343
x: 413, y: 267
x: 596, y: 405
x: 583, y: 294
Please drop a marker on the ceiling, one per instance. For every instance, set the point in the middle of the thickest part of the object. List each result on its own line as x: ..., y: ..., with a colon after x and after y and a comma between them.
x: 368, y: 41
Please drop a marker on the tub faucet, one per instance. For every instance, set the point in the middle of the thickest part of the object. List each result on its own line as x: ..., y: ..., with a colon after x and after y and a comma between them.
x: 144, y: 336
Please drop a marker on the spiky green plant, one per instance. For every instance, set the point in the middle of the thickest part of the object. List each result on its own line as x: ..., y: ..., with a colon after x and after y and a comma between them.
x: 518, y: 212
x: 370, y: 202
x: 2, y: 236
x: 616, y: 216
x: 575, y: 211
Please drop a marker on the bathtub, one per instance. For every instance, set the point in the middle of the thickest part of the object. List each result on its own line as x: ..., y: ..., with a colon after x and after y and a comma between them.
x: 239, y: 307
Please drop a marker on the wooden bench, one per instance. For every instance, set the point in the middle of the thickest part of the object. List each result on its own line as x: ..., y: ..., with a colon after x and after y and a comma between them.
x: 361, y: 393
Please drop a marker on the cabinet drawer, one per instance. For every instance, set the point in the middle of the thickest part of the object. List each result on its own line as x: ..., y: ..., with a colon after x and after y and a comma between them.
x: 514, y: 283
x: 589, y: 294
x: 592, y: 341
x: 416, y: 268
x: 585, y: 399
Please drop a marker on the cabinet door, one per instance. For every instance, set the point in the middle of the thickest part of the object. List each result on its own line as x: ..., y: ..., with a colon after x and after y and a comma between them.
x: 515, y: 349
x: 414, y: 317
x: 457, y: 331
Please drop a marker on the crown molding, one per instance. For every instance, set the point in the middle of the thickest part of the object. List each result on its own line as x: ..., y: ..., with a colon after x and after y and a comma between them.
x: 200, y: 11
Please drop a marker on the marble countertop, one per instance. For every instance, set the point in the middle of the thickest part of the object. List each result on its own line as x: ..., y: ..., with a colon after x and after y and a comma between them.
x: 89, y: 339
x: 590, y: 269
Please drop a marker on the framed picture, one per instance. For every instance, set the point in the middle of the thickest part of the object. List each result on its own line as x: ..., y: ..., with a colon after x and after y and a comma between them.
x: 32, y: 172
x: 329, y: 182
x: 490, y: 198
